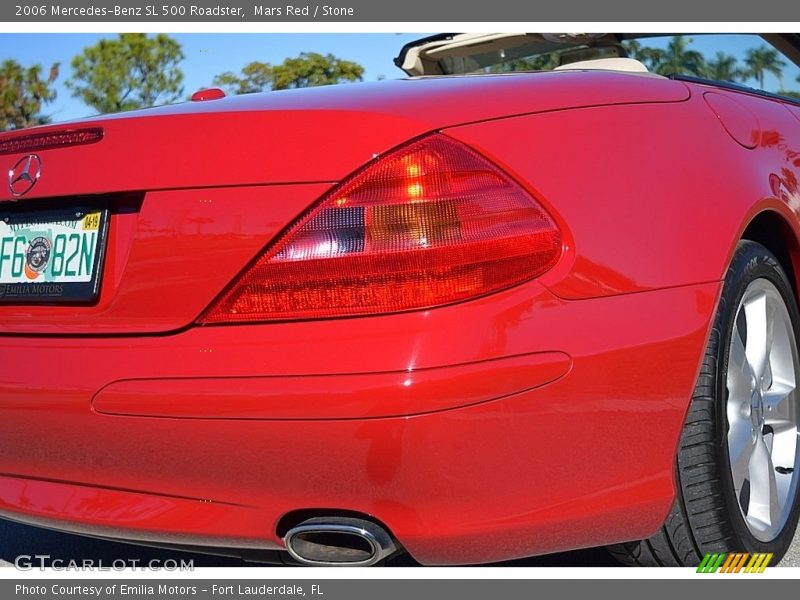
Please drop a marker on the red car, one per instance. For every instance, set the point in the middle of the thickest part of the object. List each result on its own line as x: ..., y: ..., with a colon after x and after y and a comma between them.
x: 471, y: 315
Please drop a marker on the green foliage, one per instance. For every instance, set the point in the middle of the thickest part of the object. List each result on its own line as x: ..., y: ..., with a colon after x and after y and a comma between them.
x: 723, y: 67
x: 309, y: 69
x: 650, y: 57
x: 23, y: 92
x: 761, y: 61
x: 542, y: 62
x: 678, y: 58
x: 255, y: 77
x: 128, y: 72
x: 793, y: 94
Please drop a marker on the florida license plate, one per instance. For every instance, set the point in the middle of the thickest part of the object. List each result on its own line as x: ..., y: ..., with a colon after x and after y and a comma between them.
x: 51, y: 256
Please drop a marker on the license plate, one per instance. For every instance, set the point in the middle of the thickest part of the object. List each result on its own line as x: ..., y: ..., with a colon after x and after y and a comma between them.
x: 51, y: 256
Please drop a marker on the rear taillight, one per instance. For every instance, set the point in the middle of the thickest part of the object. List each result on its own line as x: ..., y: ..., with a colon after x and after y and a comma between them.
x: 430, y: 223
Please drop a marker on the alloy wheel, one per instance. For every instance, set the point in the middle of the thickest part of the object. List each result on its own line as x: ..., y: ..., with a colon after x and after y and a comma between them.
x: 762, y: 410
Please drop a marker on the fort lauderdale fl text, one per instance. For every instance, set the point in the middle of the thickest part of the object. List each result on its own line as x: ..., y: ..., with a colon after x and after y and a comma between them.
x: 145, y: 589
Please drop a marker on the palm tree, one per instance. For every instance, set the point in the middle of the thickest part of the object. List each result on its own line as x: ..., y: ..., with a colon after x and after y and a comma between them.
x: 792, y: 94
x: 649, y: 57
x: 540, y: 62
x: 723, y: 67
x: 761, y: 61
x: 677, y: 59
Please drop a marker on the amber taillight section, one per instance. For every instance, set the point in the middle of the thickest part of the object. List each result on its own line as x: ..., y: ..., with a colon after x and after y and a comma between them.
x: 47, y: 141
x: 430, y: 223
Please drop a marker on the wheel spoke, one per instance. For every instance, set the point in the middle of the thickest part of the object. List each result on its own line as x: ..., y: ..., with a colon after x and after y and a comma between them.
x: 778, y: 409
x: 740, y: 449
x: 784, y: 451
x: 757, y: 349
x: 764, y: 503
x: 740, y: 374
x: 767, y: 376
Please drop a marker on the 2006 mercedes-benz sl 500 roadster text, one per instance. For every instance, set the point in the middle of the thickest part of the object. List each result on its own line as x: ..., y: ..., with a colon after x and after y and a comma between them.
x: 470, y: 315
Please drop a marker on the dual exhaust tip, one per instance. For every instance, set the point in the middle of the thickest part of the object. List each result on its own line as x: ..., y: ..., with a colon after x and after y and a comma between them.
x: 339, y: 541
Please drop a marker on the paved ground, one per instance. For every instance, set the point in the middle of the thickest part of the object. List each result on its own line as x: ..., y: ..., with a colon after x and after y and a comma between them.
x: 18, y: 540
x: 792, y: 558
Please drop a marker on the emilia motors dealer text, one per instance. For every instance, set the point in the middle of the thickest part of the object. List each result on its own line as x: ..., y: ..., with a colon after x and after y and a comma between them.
x: 144, y: 589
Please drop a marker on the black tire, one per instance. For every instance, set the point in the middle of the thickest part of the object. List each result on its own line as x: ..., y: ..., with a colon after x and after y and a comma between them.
x: 705, y: 517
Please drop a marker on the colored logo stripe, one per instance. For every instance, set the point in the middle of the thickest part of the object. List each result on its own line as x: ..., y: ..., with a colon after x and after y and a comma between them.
x: 735, y: 562
x: 758, y: 563
x: 711, y: 562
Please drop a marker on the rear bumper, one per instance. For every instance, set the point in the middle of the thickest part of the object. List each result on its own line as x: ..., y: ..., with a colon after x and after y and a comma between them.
x: 508, y: 426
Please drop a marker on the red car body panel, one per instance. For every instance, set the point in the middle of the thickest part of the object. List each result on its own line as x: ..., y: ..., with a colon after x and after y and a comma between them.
x: 504, y: 478
x: 349, y: 396
x: 541, y: 418
x: 638, y: 209
x: 309, y: 135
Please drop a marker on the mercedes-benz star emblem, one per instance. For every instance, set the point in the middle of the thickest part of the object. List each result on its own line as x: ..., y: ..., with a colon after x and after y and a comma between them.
x: 24, y: 175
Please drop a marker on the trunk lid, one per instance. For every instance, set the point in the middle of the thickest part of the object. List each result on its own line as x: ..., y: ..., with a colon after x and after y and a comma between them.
x: 194, y: 191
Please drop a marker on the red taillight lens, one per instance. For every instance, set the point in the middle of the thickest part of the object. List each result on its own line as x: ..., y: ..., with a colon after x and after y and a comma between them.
x: 430, y: 223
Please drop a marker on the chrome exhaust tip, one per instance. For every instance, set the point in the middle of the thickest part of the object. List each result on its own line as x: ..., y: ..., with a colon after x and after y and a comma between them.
x: 339, y: 541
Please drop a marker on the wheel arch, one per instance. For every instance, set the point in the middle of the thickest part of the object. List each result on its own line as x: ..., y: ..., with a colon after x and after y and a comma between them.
x: 773, y: 225
x: 775, y: 230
